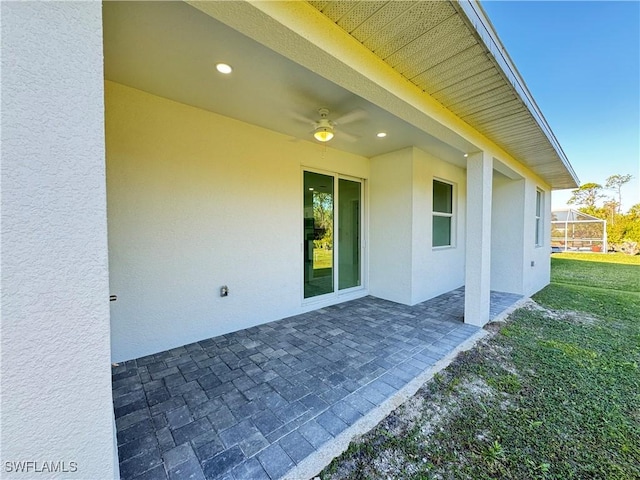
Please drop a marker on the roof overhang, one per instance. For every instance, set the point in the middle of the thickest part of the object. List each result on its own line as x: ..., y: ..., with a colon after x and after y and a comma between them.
x: 451, y: 52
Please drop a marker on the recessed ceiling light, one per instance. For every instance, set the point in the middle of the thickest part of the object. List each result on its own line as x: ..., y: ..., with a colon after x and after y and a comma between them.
x: 311, y: 189
x: 224, y: 68
x: 466, y: 155
x: 381, y: 134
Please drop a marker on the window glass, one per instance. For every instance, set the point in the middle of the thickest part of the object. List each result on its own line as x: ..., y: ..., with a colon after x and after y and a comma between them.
x: 349, y: 234
x: 538, y: 218
x: 442, y: 214
x: 442, y: 197
x: 441, y: 231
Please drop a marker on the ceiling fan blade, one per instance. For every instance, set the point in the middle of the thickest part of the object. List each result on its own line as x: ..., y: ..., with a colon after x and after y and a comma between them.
x: 350, y: 117
x: 302, y: 118
x: 347, y: 136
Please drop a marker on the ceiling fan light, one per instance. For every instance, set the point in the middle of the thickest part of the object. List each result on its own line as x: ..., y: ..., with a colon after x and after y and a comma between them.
x: 323, y: 134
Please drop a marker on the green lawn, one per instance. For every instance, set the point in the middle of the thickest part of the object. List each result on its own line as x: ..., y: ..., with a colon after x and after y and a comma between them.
x: 554, y: 394
x: 322, y: 258
x: 600, y: 257
x: 608, y: 271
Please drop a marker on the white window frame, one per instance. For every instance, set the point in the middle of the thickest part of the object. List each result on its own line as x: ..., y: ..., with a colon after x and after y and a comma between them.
x: 452, y: 215
x: 539, y: 214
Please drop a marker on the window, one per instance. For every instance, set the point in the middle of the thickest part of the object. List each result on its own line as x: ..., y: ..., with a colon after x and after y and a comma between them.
x: 539, y: 218
x: 442, y: 214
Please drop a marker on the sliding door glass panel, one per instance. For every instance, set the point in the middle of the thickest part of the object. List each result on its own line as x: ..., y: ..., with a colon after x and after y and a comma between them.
x: 348, y: 234
x: 318, y: 234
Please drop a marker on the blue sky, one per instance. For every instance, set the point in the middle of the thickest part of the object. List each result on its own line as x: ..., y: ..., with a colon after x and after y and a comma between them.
x: 581, y: 62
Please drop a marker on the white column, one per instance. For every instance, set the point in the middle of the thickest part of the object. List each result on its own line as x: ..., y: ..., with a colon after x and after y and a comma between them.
x: 478, y: 239
x: 56, y: 377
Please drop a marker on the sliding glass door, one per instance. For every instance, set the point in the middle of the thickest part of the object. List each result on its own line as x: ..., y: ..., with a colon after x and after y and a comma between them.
x: 348, y: 233
x: 332, y: 234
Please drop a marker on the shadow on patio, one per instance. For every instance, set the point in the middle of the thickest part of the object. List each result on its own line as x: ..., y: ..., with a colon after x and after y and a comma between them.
x: 257, y: 403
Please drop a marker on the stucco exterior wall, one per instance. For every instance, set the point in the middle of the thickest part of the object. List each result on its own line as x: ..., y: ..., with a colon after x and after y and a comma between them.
x: 390, y: 252
x: 404, y: 266
x: 55, y: 369
x: 537, y: 275
x: 197, y: 201
x: 513, y: 247
x: 507, y: 235
x: 436, y: 270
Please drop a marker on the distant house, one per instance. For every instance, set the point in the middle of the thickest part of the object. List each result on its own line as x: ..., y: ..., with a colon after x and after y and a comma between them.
x: 202, y: 201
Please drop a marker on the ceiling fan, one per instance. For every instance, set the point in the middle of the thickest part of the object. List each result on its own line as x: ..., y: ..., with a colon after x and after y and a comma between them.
x: 324, y: 128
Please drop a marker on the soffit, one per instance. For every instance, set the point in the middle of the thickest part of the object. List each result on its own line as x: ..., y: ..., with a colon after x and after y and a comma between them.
x: 435, y: 46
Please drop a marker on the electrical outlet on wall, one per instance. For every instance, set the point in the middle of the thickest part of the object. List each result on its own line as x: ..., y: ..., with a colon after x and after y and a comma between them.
x: 224, y: 291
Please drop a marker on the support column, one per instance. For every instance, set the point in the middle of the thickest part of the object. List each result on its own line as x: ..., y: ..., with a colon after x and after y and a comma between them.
x: 478, y: 239
x: 57, y: 407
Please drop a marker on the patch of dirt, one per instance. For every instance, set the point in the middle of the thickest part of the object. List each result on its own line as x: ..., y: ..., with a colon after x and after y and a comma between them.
x: 403, y: 418
x: 477, y: 388
x: 577, y: 318
x: 388, y: 464
x: 392, y: 464
x: 501, y: 354
x: 436, y: 414
x: 345, y: 470
x: 494, y: 327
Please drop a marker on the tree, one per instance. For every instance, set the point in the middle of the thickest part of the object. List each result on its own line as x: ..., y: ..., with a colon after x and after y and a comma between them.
x: 634, y: 212
x: 611, y: 207
x: 587, y: 195
x: 615, y: 183
x: 623, y: 230
x: 323, y: 220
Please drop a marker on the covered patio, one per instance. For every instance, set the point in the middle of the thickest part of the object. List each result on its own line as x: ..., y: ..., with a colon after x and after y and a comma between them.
x: 259, y: 403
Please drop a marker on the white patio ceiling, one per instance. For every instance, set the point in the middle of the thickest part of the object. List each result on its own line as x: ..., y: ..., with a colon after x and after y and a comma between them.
x: 169, y: 49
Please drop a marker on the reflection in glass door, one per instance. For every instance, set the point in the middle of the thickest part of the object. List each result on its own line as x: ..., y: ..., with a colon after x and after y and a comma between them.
x: 322, y: 255
x: 318, y: 234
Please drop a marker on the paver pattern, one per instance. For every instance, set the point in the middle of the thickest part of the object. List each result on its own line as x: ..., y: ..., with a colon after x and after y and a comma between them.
x: 254, y: 403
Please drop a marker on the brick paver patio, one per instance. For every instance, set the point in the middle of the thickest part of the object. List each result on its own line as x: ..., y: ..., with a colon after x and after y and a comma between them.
x: 254, y: 403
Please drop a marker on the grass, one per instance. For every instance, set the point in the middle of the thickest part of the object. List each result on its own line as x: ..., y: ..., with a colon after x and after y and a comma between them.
x: 555, y: 393
x: 607, y: 271
x: 600, y: 257
x: 322, y: 258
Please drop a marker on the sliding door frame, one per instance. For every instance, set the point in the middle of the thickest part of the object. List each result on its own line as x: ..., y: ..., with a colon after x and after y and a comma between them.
x: 356, y: 291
